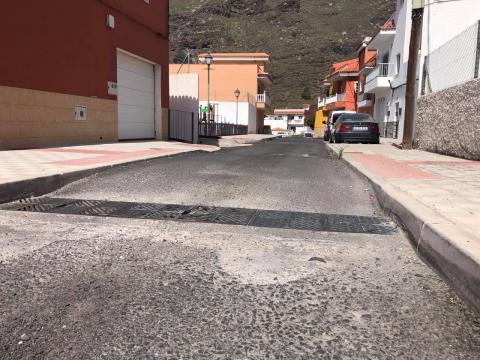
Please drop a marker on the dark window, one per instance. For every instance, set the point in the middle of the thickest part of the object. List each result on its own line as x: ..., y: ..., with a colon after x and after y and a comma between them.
x: 356, y: 117
x: 335, y: 117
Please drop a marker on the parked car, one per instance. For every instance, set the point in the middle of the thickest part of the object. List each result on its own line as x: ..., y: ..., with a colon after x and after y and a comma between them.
x: 332, y: 119
x: 355, y: 128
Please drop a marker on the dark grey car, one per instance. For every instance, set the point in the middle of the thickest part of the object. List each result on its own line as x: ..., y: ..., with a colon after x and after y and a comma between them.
x: 356, y: 128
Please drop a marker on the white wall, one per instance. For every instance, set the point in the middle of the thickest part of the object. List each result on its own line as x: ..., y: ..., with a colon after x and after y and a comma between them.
x: 184, y: 95
x: 227, y: 111
x: 184, y: 92
x: 401, y: 44
x: 442, y: 22
x: 252, y: 118
x: 276, y: 124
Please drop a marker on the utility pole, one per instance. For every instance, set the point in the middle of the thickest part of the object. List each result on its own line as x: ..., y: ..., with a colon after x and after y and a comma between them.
x: 411, y: 96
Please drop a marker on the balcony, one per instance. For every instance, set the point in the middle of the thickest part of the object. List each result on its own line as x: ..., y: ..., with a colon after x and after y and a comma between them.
x: 335, y: 98
x: 321, y: 102
x: 379, y: 79
x: 264, y: 78
x: 364, y: 100
x: 263, y: 101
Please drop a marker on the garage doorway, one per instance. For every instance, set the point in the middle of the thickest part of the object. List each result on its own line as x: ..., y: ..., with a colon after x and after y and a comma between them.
x: 136, y: 98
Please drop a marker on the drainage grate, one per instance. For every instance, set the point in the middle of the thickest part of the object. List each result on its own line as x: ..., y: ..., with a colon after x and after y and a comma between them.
x: 208, y: 214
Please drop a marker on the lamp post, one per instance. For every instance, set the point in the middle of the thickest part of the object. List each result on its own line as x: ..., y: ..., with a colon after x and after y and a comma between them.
x: 208, y: 60
x: 237, y: 95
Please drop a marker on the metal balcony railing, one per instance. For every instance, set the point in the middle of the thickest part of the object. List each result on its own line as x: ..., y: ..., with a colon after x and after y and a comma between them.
x: 381, y: 70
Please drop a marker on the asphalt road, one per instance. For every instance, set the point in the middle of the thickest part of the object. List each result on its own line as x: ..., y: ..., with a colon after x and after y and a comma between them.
x: 100, y: 287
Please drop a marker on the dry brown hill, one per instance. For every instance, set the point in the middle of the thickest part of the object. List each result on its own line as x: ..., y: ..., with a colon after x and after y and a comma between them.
x: 302, y: 36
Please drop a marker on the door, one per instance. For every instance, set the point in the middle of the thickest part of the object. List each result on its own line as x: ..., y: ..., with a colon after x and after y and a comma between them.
x: 136, y: 98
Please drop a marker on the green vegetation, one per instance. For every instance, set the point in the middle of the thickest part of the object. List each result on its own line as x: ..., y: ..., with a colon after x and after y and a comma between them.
x: 303, y: 37
x: 311, y: 121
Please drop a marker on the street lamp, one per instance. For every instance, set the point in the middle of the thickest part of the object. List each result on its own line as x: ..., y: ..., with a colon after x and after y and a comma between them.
x: 237, y: 95
x: 208, y: 60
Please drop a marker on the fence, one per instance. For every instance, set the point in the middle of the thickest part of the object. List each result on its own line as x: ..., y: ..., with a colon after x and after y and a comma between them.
x: 454, y: 63
x: 181, y: 126
x: 212, y: 129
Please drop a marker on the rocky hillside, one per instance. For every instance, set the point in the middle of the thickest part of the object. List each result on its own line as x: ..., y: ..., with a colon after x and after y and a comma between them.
x: 302, y: 36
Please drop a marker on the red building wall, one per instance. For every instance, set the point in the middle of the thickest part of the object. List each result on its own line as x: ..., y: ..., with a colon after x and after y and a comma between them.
x: 66, y: 47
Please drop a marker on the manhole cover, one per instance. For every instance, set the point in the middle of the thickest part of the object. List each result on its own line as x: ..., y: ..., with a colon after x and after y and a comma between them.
x: 208, y: 214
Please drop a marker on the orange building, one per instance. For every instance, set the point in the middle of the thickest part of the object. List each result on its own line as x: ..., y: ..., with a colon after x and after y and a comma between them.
x: 343, y: 82
x: 246, y: 72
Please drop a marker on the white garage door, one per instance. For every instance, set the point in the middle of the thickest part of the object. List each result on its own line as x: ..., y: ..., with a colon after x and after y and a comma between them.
x: 136, y: 98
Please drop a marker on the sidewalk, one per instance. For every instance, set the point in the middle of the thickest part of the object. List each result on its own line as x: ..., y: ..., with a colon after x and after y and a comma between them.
x: 37, y: 171
x: 436, y: 198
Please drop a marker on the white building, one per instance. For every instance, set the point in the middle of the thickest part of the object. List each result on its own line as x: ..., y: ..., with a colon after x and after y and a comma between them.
x: 278, y: 124
x: 449, y: 43
x: 388, y: 79
x: 295, y: 119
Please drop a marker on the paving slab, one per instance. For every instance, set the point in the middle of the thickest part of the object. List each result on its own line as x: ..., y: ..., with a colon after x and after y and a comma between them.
x: 436, y: 198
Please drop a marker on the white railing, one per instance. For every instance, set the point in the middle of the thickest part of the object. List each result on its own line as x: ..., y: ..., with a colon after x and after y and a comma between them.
x: 335, y: 98
x: 263, y: 99
x: 321, y: 102
x: 381, y: 70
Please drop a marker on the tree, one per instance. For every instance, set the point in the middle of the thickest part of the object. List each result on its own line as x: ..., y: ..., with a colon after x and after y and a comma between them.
x: 306, y: 94
x: 311, y: 121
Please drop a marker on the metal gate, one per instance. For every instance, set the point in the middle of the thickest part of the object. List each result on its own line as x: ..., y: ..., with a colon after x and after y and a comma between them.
x: 214, y: 129
x: 181, y: 126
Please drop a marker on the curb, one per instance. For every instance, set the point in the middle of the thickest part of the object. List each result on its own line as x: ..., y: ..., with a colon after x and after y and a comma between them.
x: 452, y: 259
x: 46, y: 184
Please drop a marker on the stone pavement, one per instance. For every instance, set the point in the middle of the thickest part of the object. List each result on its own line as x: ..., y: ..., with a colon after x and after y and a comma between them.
x: 23, y: 165
x: 437, y: 199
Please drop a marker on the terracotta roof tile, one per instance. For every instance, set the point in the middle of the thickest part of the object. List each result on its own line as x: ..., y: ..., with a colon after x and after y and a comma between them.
x: 346, y: 66
x: 389, y: 25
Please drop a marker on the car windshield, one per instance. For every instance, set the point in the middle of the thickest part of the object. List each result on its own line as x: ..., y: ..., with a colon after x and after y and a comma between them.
x: 355, y: 117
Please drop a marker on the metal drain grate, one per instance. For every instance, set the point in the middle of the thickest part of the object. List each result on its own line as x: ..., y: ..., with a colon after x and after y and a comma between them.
x: 208, y: 214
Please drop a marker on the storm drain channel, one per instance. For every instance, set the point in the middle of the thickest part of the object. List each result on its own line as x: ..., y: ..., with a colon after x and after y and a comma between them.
x: 207, y: 214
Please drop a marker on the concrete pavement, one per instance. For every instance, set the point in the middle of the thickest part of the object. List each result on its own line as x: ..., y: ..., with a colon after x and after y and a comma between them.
x: 437, y: 198
x: 37, y: 171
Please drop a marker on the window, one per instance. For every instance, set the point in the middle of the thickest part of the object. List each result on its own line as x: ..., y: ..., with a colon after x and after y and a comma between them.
x: 397, y: 68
